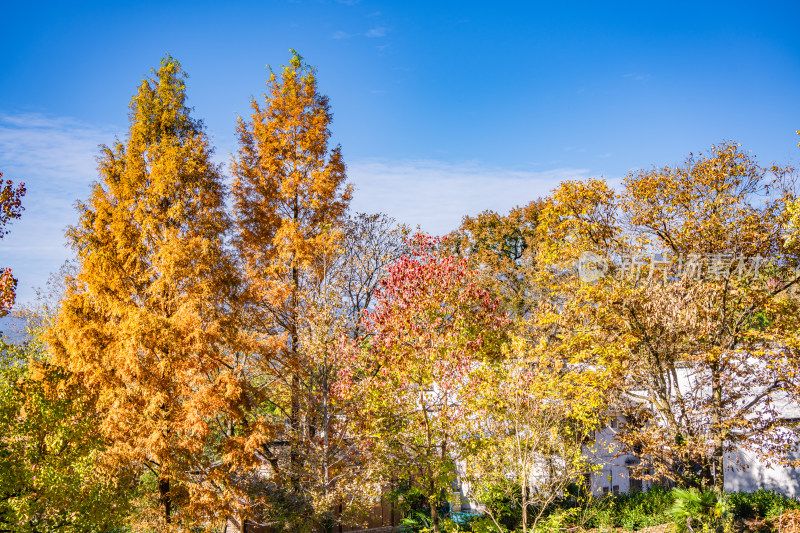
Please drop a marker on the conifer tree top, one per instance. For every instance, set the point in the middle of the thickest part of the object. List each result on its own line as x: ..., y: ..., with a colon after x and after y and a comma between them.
x: 159, y: 110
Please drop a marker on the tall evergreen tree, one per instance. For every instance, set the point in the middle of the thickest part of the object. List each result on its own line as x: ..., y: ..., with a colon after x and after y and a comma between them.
x: 145, y: 321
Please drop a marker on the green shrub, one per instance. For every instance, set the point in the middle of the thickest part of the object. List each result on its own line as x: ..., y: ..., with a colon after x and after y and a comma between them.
x: 632, y: 511
x: 409, y: 499
x: 638, y: 510
x: 696, y: 510
x: 558, y: 520
x: 484, y: 524
x: 447, y: 525
x: 504, y: 508
x: 762, y: 503
x: 601, y: 517
x: 414, y: 522
x: 703, y: 511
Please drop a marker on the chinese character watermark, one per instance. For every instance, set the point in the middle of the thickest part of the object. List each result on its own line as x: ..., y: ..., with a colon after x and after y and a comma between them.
x: 591, y: 267
x: 665, y: 267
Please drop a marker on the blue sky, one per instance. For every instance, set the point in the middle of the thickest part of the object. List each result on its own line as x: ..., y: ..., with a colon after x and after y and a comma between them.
x: 442, y: 108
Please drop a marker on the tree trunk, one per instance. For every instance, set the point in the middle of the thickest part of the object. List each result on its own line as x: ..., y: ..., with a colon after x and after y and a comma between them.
x: 716, y: 406
x: 433, y: 502
x: 294, y: 419
x: 434, y: 517
x: 166, y: 501
x: 524, y: 507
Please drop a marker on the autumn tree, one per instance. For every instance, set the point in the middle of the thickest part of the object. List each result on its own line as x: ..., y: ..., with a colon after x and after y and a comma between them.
x: 686, y: 292
x: 10, y: 208
x: 146, y: 320
x: 52, y: 476
x: 338, y: 479
x: 538, y: 403
x: 533, y: 415
x: 337, y: 471
x: 370, y: 244
x: 430, y: 326
x: 290, y: 198
x: 503, y: 249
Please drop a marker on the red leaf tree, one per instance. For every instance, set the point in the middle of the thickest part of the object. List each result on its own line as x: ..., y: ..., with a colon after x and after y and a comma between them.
x: 431, y: 327
x: 10, y: 208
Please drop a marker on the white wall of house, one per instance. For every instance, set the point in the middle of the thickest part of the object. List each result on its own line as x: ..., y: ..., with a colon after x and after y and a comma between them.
x: 745, y: 471
x: 756, y: 474
x: 613, y: 473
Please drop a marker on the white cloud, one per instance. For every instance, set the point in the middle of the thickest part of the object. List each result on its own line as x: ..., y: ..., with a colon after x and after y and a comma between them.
x: 377, y: 32
x: 436, y: 195
x: 54, y: 147
x: 55, y: 157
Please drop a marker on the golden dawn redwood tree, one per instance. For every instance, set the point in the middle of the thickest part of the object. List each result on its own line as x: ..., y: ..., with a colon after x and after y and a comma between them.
x: 290, y: 197
x: 145, y: 320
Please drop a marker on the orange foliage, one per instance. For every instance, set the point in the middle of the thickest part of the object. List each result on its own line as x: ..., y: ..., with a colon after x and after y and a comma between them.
x: 503, y: 250
x: 290, y: 201
x: 788, y: 522
x: 145, y: 322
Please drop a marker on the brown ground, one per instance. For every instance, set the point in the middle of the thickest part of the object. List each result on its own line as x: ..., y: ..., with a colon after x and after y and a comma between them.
x: 662, y: 528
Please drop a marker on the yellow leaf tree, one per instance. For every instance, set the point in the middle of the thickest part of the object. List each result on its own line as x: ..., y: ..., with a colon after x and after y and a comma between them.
x: 687, y: 293
x: 536, y: 405
x: 533, y: 414
x: 145, y: 321
x: 503, y: 249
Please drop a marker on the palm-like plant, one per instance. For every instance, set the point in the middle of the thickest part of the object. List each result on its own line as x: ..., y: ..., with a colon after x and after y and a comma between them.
x: 699, y: 510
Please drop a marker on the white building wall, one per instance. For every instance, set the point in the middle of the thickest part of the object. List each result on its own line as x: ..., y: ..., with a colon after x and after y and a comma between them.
x: 744, y: 470
x: 758, y: 475
x: 613, y: 474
